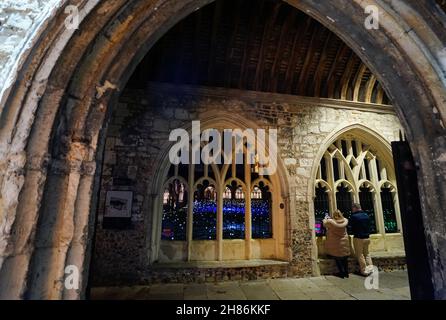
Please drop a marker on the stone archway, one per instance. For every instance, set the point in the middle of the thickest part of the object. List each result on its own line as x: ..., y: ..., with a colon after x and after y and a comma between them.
x: 52, y: 120
x: 383, y: 240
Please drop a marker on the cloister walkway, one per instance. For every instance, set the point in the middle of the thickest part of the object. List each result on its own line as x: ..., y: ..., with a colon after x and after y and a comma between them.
x: 392, y: 286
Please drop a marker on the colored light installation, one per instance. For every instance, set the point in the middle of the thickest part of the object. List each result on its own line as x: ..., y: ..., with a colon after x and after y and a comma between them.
x: 261, y: 218
x: 205, y: 220
x: 233, y: 219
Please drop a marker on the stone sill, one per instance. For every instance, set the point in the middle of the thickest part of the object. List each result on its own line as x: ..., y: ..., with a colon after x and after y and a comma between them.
x: 219, y: 264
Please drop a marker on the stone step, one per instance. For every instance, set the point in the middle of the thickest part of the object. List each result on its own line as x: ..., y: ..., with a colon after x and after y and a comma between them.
x: 385, y: 261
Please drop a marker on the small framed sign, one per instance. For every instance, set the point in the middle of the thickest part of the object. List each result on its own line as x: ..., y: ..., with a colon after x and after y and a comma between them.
x: 118, y: 204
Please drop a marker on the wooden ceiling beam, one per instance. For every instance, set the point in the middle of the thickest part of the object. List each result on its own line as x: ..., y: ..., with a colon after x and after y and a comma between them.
x: 327, y: 68
x: 196, y: 48
x: 263, y: 47
x: 280, y: 50
x: 251, y: 36
x: 231, y: 44
x: 303, y: 77
x: 346, y: 77
x: 358, y: 81
x: 370, y: 88
x: 297, y: 41
x: 182, y: 45
x: 380, y: 95
x: 317, y: 81
x: 330, y: 83
x: 213, y: 43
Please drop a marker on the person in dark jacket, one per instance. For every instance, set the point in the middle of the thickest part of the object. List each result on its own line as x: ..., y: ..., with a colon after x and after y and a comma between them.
x: 360, y: 227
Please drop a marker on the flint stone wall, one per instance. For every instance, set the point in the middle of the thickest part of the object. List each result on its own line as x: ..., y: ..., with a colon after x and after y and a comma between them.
x: 139, y: 130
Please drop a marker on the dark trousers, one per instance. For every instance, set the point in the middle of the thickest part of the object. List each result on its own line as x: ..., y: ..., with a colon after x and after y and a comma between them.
x: 342, y: 264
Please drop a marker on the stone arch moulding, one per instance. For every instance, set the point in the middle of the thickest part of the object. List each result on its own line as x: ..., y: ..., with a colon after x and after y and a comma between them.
x: 225, y: 120
x: 65, y: 81
x: 361, y: 131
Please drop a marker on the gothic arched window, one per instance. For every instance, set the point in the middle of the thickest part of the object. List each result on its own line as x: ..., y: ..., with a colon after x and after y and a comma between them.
x: 355, y: 170
x: 217, y: 204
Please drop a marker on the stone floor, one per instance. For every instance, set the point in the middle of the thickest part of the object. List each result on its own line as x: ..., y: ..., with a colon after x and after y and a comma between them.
x: 392, y: 286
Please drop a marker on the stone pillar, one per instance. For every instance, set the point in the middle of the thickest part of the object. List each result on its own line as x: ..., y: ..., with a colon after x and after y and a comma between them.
x: 219, y: 242
x: 79, y: 252
x: 248, y: 217
x: 379, y: 217
x: 14, y: 270
x: 190, y: 212
x: 63, y: 231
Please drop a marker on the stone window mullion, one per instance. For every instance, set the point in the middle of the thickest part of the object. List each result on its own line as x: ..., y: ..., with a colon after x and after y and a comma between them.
x: 331, y: 183
x: 248, y: 215
x: 396, y: 204
x: 349, y: 147
x: 363, y: 174
x: 379, y: 215
x: 342, y: 169
x: 220, y: 222
x: 190, y: 210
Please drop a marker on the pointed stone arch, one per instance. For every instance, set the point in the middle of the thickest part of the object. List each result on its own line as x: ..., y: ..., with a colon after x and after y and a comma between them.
x: 278, y: 182
x: 64, y: 86
x: 379, y: 148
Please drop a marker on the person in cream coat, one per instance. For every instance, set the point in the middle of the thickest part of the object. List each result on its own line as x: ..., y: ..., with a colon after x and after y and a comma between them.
x: 337, y: 243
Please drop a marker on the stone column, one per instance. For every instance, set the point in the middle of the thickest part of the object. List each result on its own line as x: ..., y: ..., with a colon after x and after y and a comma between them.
x: 17, y: 257
x: 190, y: 211
x: 219, y: 225
x: 248, y: 217
x: 63, y: 233
x: 379, y: 216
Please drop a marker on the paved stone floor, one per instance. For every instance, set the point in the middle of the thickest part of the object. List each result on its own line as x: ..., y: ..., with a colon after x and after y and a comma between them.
x: 392, y: 286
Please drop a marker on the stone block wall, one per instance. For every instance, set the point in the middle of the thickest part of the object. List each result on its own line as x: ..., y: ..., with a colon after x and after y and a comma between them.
x: 19, y: 21
x: 138, y: 133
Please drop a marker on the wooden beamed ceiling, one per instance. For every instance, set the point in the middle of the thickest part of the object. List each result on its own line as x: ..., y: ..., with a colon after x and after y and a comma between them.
x: 262, y: 45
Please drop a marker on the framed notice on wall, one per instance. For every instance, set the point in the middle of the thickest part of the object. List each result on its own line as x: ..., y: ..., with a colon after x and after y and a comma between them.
x: 118, y: 204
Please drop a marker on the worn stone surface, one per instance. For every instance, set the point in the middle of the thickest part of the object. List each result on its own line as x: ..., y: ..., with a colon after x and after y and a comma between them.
x: 35, y: 121
x: 392, y: 286
x: 19, y: 21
